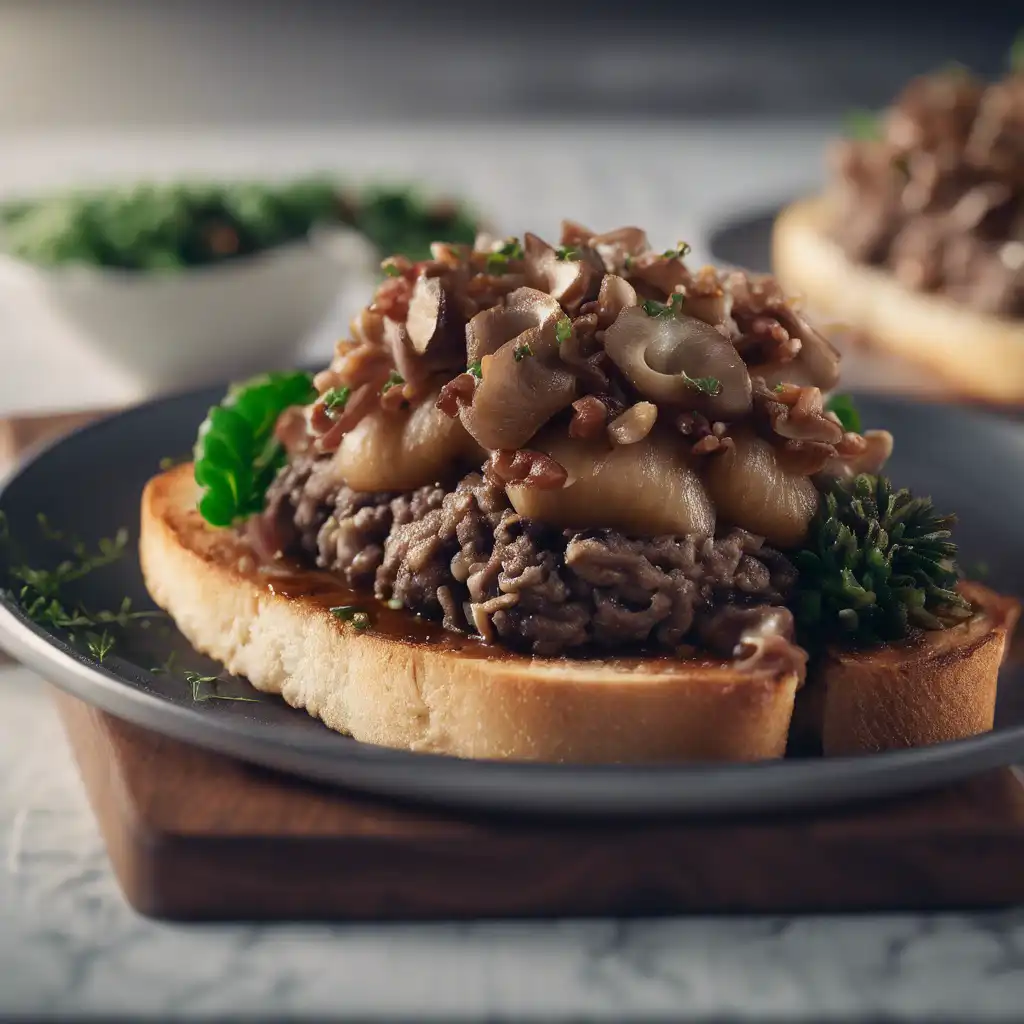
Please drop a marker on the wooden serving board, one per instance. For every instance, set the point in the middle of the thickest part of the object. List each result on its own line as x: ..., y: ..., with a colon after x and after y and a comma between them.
x: 196, y: 836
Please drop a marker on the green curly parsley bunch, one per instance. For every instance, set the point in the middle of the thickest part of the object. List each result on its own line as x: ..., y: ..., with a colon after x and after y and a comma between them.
x: 878, y: 564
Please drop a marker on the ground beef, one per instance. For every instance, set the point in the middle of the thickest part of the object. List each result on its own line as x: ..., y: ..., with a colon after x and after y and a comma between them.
x: 464, y: 556
x: 938, y: 199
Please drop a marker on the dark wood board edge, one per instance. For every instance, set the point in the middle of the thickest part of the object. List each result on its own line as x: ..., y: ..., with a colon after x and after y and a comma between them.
x: 366, y: 861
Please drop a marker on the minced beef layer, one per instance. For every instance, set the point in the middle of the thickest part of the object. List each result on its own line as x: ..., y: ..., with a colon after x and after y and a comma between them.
x: 466, y: 557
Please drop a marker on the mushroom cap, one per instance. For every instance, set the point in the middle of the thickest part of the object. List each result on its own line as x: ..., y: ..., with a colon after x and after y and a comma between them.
x: 571, y: 281
x: 662, y: 356
x: 523, y: 386
x: 491, y: 328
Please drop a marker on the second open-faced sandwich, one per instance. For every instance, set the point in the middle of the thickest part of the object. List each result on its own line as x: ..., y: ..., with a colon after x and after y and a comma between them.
x: 917, y: 244
x: 573, y: 503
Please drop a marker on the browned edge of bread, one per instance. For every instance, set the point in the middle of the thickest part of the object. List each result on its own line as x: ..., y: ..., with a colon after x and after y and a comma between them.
x: 940, y: 686
x: 981, y: 355
x: 456, y: 696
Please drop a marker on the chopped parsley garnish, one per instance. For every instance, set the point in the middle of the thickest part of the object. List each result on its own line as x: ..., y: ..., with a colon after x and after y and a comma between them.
x: 705, y: 385
x: 391, y: 268
x: 863, y: 124
x: 336, y: 399
x: 565, y: 253
x: 563, y: 330
x: 673, y: 308
x: 522, y: 351
x: 350, y: 613
x: 627, y: 262
x: 497, y: 263
x: 512, y: 249
x: 844, y: 408
x: 476, y: 369
x: 681, y: 251
x: 393, y: 381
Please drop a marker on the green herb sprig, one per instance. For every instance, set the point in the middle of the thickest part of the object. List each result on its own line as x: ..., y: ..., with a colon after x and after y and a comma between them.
x: 359, y: 619
x: 197, y: 682
x: 40, y: 592
x: 336, y: 399
x: 236, y: 453
x: 673, y: 307
x: 497, y: 262
x: 877, y: 564
x: 681, y: 251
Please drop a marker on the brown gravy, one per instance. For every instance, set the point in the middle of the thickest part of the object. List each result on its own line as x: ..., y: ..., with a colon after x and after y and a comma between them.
x: 291, y: 580
x: 326, y: 591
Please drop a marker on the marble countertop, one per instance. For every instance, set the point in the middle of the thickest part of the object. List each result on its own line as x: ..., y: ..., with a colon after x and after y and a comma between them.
x: 69, y: 944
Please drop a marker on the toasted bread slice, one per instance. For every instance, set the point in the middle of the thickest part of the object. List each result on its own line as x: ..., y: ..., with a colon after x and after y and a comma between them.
x: 940, y: 686
x: 452, y: 695
x: 981, y: 355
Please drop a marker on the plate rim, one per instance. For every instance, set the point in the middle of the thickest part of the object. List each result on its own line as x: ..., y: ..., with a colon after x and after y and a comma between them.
x: 525, y: 788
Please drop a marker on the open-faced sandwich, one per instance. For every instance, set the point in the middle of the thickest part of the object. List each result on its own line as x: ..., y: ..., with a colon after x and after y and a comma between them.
x: 573, y: 503
x: 917, y: 244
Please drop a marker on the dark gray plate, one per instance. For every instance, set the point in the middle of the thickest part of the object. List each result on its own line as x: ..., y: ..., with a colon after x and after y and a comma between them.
x: 90, y: 484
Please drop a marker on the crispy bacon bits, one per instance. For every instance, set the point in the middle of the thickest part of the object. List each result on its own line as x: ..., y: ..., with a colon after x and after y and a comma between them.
x: 533, y: 469
x: 456, y: 393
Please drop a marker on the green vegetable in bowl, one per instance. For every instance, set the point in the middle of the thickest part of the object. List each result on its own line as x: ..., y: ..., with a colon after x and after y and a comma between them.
x: 170, y: 227
x: 236, y: 452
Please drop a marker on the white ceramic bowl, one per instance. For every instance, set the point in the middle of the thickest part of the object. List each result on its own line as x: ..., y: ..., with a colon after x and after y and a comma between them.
x: 175, y: 330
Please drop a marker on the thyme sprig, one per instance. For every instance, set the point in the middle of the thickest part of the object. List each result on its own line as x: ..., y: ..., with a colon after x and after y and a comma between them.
x: 42, y: 595
x: 197, y: 682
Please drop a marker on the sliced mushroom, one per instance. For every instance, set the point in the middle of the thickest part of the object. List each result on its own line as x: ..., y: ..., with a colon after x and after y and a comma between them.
x: 614, y: 295
x: 403, y: 451
x: 435, y: 326
x: 619, y: 247
x: 752, y: 490
x: 522, y: 388
x: 412, y: 369
x: 571, y: 281
x: 665, y: 358
x: 874, y: 451
x: 816, y: 364
x: 798, y: 414
x: 524, y: 308
x: 646, y: 489
x: 708, y: 300
x: 659, y: 272
x: 575, y: 234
